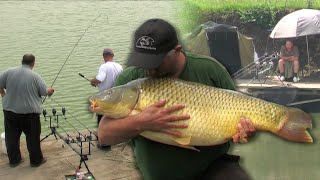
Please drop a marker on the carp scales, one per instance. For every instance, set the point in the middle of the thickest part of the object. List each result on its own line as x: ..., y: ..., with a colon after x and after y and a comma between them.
x: 214, y: 113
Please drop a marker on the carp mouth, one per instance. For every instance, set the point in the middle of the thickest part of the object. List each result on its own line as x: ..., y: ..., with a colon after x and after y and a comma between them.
x: 93, y: 105
x: 116, y: 102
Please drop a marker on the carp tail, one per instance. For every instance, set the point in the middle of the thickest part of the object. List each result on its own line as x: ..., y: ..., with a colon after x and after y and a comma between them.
x: 295, y: 126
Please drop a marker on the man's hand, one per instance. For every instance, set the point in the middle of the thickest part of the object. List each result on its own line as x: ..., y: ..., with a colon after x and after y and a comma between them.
x: 154, y: 118
x: 2, y: 92
x: 94, y: 82
x: 50, y: 91
x: 160, y: 119
x: 291, y: 58
x: 245, y: 130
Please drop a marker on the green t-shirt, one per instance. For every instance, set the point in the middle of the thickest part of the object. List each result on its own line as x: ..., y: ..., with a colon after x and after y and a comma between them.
x: 285, y: 53
x: 158, y: 161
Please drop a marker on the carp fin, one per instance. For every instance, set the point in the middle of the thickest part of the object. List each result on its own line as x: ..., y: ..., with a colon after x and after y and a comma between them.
x: 189, y: 147
x: 183, y: 140
x: 294, y: 128
x: 184, y: 143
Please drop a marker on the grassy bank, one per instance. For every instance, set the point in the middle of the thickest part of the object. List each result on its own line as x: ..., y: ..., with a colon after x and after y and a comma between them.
x: 264, y: 13
x: 240, y: 5
x: 254, y: 18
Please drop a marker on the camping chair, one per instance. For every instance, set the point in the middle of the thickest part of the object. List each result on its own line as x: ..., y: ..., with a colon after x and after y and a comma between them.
x: 303, y: 61
x: 288, y: 70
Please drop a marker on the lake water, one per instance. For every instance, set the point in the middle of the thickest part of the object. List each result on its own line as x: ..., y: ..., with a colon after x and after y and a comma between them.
x: 51, y: 29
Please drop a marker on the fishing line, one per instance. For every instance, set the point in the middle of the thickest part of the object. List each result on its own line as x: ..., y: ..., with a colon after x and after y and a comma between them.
x: 83, y: 157
x: 71, y: 53
x: 70, y: 123
x: 69, y: 137
x: 73, y: 117
x: 58, y: 114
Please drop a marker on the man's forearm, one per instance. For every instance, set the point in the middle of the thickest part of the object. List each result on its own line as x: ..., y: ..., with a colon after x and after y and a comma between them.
x: 115, y: 131
x: 285, y: 58
x: 290, y: 58
x: 153, y: 118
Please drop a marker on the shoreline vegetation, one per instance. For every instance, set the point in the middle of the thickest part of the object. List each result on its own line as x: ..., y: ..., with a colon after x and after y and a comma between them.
x: 254, y: 18
x: 227, y: 5
x: 265, y: 13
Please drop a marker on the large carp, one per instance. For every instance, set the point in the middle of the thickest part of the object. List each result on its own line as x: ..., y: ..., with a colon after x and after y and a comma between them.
x: 214, y: 112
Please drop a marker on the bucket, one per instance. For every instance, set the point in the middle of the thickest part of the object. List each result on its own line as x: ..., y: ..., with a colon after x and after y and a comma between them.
x: 3, y: 143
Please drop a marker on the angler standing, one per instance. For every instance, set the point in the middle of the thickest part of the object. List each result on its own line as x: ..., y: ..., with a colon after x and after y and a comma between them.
x: 21, y: 90
x: 107, y: 74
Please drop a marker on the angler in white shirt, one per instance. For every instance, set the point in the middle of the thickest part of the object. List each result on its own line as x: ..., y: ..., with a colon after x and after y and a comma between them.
x: 107, y: 74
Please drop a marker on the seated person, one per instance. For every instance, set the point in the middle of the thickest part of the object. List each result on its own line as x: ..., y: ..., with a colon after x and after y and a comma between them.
x: 289, y: 56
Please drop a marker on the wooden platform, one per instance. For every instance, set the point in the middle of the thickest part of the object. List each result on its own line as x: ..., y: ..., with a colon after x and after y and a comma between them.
x: 276, y: 83
x: 304, y: 94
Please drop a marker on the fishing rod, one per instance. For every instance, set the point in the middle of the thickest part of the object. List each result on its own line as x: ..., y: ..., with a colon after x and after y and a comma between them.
x: 53, y: 128
x: 303, y: 102
x: 73, y: 126
x: 84, y: 77
x: 69, y: 140
x: 71, y: 53
x: 79, y: 133
x: 75, y: 119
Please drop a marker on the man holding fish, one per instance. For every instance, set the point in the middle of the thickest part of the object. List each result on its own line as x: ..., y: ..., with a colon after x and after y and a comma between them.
x: 156, y: 54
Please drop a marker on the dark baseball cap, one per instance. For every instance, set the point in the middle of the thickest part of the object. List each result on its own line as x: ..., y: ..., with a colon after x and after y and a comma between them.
x: 152, y: 41
x: 107, y: 51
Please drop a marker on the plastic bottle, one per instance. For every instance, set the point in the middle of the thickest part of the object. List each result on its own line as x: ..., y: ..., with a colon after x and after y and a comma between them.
x: 3, y: 143
x: 77, y: 173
